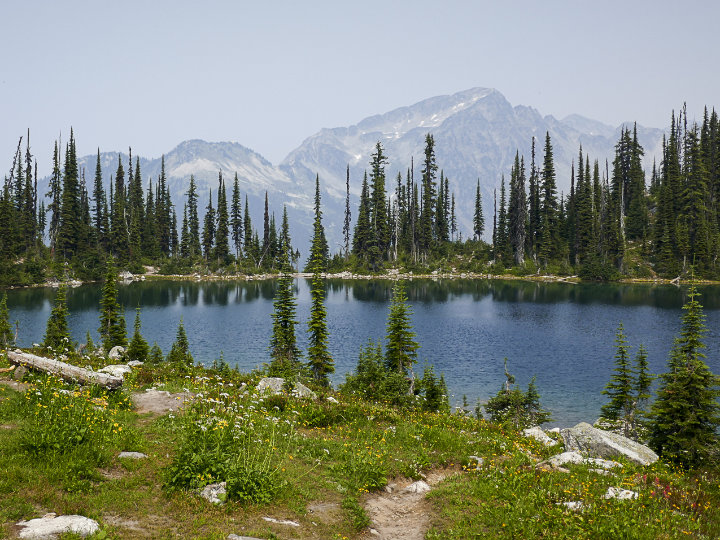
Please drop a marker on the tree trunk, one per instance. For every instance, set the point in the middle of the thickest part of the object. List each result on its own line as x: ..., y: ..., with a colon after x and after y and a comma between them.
x: 64, y: 370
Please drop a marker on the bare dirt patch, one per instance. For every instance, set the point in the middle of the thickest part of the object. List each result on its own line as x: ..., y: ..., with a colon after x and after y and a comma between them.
x: 159, y: 402
x: 402, y: 514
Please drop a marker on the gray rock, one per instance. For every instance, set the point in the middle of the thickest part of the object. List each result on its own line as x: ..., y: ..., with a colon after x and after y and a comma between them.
x: 282, y: 521
x: 477, y: 460
x: 563, y: 459
x: 19, y: 372
x: 116, y: 370
x: 539, y: 435
x: 132, y: 455
x: 214, y: 493
x: 603, y: 463
x: 572, y: 505
x: 135, y: 363
x: 52, y: 526
x: 274, y: 385
x: 116, y: 353
x: 236, y: 537
x: 554, y: 430
x: 604, y: 444
x: 417, y: 487
x: 620, y: 494
x: 332, y: 399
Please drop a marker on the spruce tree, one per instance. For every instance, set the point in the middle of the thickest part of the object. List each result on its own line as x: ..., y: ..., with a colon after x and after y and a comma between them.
x: 549, y: 233
x: 401, y: 350
x: 138, y: 348
x: 57, y: 334
x: 112, y: 321
x: 236, y: 218
x: 208, y: 233
x: 194, y: 248
x: 346, y: 221
x: 429, y: 195
x: 284, y: 351
x: 685, y: 416
x: 318, y: 259
x: 222, y: 246
x: 362, y: 236
x: 7, y: 337
x: 180, y: 351
x: 621, y: 406
x: 478, y: 218
x: 319, y: 360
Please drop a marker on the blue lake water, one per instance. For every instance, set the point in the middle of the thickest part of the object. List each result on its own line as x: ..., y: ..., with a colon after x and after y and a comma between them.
x: 561, y: 333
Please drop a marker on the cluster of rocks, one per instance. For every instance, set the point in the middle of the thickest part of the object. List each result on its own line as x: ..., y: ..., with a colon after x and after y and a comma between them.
x: 596, y: 448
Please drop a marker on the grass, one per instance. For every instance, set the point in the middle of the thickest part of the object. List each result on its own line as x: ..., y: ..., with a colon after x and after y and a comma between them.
x: 283, y: 457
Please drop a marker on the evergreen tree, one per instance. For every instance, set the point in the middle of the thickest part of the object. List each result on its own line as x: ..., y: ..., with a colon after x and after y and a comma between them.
x: 194, y: 249
x: 236, y: 218
x: 318, y: 259
x: 222, y: 246
x: 401, y: 350
x: 180, y: 351
x: 70, y: 225
x: 621, y: 407
x: 549, y: 230
x: 208, y: 234
x: 138, y: 348
x: 101, y: 218
x: 346, y: 221
x: 379, y: 219
x: 478, y: 218
x: 112, y: 321
x: 685, y: 416
x: 57, y: 334
x: 284, y: 351
x: 55, y: 196
x: 319, y: 360
x: 534, y: 207
x: 362, y: 235
x: 429, y: 194
x: 517, y: 210
x: 7, y: 337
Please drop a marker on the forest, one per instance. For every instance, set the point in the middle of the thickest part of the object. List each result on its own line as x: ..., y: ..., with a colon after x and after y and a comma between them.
x: 617, y: 220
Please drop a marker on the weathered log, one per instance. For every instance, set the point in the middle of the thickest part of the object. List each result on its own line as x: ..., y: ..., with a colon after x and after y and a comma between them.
x: 6, y: 370
x: 64, y: 370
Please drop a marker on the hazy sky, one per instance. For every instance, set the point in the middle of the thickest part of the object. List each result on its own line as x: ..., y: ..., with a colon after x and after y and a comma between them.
x: 268, y: 74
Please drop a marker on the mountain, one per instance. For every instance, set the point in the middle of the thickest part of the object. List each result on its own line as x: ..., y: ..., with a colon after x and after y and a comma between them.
x: 477, y: 133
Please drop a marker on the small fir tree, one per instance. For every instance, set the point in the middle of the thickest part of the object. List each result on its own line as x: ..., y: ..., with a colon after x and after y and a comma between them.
x: 621, y: 406
x: 401, y: 352
x: 138, y: 348
x: 112, y: 321
x: 155, y: 356
x: 7, y: 339
x: 180, y: 350
x: 513, y: 406
x: 320, y: 362
x: 283, y: 346
x: 685, y: 416
x: 57, y: 335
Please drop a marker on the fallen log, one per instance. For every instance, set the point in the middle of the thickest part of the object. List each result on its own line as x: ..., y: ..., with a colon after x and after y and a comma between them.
x: 64, y: 370
x: 7, y: 370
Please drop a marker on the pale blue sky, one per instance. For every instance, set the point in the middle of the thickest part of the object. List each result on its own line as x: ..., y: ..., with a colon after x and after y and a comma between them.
x: 268, y: 74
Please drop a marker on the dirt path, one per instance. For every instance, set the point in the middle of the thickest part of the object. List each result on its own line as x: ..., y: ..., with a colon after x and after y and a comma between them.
x: 402, y: 514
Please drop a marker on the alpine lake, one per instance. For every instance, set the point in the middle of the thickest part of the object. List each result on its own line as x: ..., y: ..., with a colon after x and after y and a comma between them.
x: 561, y: 333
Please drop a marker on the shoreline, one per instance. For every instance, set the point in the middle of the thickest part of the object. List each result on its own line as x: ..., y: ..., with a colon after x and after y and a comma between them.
x: 391, y: 274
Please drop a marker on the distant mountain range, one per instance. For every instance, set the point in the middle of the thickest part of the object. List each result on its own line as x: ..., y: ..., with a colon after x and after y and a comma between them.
x: 476, y: 132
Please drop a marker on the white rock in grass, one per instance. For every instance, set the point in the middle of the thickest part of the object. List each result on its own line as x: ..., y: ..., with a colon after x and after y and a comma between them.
x: 572, y: 505
x: 417, y: 487
x: 566, y: 457
x: 282, y: 521
x: 116, y: 353
x: 605, y: 444
x: 116, y: 370
x: 620, y: 494
x: 213, y: 493
x: 132, y: 455
x: 236, y: 537
x: 52, y: 526
x: 539, y: 435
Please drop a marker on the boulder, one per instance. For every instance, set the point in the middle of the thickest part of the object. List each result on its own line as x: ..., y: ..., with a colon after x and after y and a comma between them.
x: 215, y: 493
x: 274, y: 385
x: 135, y: 363
x: 132, y: 455
x: 417, y: 487
x: 620, y: 494
x: 116, y: 370
x: 52, y: 526
x: 538, y: 434
x: 591, y: 441
x: 116, y: 353
x: 575, y: 458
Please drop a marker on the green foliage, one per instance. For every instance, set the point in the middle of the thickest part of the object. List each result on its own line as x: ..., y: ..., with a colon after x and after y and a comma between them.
x: 401, y: 346
x: 284, y: 351
x: 685, y: 416
x: 112, y: 321
x: 517, y: 408
x: 57, y: 334
x: 373, y: 381
x: 7, y: 337
x: 138, y: 348
x: 320, y: 362
x: 180, y: 351
x: 357, y: 514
